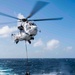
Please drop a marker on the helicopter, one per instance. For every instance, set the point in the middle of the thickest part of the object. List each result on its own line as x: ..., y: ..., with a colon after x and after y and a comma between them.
x: 28, y: 29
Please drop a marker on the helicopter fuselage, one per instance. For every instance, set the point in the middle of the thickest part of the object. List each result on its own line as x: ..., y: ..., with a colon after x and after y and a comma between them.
x: 27, y: 32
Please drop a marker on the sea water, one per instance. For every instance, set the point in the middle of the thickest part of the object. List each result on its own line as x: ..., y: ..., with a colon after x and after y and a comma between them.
x: 37, y: 66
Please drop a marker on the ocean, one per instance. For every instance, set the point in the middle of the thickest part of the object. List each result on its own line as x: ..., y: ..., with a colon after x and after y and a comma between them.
x: 37, y: 66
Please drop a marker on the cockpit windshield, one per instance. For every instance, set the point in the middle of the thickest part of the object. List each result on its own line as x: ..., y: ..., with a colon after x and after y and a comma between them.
x: 32, y: 23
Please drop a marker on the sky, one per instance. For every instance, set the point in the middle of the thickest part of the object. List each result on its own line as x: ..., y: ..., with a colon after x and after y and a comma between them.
x: 57, y: 38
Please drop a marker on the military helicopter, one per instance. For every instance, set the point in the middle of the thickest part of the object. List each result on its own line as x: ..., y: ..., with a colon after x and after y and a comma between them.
x: 28, y: 29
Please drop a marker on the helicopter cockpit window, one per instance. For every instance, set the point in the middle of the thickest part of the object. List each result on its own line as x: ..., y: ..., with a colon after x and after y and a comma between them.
x: 32, y: 23
x: 28, y: 27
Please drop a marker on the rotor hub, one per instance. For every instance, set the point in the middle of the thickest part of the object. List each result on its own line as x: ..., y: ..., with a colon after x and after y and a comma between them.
x: 23, y: 20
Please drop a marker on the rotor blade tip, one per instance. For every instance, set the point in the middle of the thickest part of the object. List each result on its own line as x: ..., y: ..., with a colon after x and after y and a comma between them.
x: 61, y: 18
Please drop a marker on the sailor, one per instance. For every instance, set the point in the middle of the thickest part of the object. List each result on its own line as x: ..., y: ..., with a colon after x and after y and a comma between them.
x: 27, y: 73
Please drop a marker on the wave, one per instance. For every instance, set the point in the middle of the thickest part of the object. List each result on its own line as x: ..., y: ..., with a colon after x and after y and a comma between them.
x: 54, y: 73
x: 6, y: 72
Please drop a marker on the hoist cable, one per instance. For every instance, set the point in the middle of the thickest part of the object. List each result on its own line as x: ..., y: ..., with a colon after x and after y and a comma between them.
x: 27, y: 67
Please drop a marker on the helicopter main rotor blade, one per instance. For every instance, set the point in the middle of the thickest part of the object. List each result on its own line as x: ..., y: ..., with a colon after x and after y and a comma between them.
x: 39, y: 5
x: 3, y: 14
x: 46, y: 19
x: 8, y: 23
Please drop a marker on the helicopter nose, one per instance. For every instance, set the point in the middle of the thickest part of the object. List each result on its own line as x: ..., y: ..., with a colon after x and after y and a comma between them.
x: 34, y: 27
x: 34, y: 30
